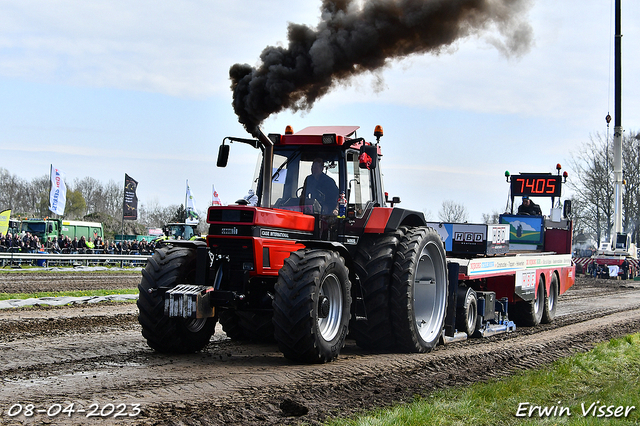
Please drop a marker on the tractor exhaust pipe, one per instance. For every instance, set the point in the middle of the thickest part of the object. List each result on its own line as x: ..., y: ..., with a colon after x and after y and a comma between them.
x: 267, y: 168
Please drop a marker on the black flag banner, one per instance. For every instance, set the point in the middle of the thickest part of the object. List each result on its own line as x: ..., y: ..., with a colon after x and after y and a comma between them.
x: 130, y: 205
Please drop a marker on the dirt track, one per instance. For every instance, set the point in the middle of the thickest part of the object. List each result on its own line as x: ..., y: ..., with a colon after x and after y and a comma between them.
x: 95, y: 354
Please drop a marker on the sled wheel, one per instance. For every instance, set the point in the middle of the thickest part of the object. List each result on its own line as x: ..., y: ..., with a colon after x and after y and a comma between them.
x: 550, y: 301
x: 311, y: 306
x: 419, y: 290
x: 373, y: 264
x: 168, y: 267
x: 467, y: 314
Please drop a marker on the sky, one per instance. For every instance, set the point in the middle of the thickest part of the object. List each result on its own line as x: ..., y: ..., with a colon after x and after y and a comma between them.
x: 142, y: 87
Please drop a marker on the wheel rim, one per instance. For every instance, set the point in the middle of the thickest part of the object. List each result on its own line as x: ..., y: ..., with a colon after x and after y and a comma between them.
x: 195, y: 325
x: 471, y: 317
x: 330, y: 301
x: 429, y: 292
x: 537, y: 304
x: 552, y: 293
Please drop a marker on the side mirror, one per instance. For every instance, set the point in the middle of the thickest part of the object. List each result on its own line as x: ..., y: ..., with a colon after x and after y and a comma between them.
x: 223, y: 155
x: 368, y: 157
x: 567, y: 208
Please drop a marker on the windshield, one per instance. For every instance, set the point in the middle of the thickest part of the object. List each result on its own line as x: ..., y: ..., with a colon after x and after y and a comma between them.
x: 33, y: 228
x: 306, y: 180
x: 180, y: 232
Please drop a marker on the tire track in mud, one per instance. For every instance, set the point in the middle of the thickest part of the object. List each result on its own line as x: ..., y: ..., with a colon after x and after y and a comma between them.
x: 34, y: 282
x: 96, y: 354
x: 384, y: 379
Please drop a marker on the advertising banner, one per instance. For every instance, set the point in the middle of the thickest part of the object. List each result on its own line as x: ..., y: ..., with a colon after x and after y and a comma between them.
x: 130, y: 205
x: 4, y: 221
x: 192, y: 214
x: 58, y: 194
x: 215, y: 198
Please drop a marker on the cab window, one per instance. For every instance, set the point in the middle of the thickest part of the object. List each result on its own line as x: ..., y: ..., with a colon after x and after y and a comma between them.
x: 358, y: 185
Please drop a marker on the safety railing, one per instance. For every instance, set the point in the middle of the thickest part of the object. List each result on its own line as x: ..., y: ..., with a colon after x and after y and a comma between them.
x: 76, y: 259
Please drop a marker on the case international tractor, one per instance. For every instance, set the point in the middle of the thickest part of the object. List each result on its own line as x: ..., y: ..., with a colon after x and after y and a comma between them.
x: 310, y: 264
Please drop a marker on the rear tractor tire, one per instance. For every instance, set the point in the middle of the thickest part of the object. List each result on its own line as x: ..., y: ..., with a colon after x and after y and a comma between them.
x: 311, y: 307
x: 419, y: 290
x: 373, y: 264
x: 168, y: 267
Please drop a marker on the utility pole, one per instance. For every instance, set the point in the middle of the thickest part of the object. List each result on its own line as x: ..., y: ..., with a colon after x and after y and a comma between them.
x: 617, y: 130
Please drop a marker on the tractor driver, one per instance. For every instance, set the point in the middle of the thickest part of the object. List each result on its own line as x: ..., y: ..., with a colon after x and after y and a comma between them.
x: 529, y: 207
x: 319, y: 186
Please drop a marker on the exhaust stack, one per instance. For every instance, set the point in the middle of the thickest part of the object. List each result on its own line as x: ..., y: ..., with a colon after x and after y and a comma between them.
x: 267, y: 168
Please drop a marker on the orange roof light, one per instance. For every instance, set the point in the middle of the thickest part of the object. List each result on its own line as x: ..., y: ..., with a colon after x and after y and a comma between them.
x: 378, y: 131
x: 288, y: 130
x: 558, y: 166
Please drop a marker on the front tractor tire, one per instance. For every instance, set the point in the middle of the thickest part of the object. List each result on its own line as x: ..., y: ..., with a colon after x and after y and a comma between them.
x: 168, y: 267
x: 419, y: 290
x: 311, y: 307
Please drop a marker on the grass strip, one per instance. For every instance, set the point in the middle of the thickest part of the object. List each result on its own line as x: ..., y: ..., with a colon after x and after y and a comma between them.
x: 78, y: 293
x: 585, y: 389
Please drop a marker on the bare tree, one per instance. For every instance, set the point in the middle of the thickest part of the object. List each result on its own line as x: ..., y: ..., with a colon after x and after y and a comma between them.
x: 453, y: 212
x: 13, y: 193
x: 25, y: 199
x: 113, y: 194
x: 37, y: 196
x: 92, y: 192
x: 87, y: 199
x: 631, y: 193
x: 155, y: 216
x: 489, y: 218
x: 593, y: 204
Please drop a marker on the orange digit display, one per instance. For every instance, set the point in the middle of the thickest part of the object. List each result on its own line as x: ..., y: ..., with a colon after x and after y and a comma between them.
x: 536, y: 185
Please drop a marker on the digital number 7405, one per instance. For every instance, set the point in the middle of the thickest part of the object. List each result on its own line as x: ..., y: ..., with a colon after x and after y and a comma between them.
x: 549, y: 186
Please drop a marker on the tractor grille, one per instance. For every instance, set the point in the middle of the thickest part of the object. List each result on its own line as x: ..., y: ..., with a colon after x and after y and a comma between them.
x: 230, y: 215
x: 238, y: 250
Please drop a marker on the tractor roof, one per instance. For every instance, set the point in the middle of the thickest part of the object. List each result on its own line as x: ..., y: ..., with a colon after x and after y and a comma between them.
x: 315, y: 135
x: 344, y: 131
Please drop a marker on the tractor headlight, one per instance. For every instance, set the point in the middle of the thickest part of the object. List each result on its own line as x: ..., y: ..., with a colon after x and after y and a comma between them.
x: 329, y: 139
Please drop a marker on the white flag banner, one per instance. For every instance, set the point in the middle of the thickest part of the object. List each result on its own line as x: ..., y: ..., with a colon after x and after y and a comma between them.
x: 192, y: 215
x: 58, y: 194
x: 215, y: 199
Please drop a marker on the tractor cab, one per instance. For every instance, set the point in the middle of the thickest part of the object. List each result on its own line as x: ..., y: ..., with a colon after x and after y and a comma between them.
x: 313, y: 167
x: 180, y: 231
x: 327, y: 172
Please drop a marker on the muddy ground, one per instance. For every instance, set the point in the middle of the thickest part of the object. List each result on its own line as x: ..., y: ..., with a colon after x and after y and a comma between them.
x: 95, y: 354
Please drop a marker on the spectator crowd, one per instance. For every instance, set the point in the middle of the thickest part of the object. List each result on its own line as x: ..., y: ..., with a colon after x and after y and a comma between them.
x: 28, y: 243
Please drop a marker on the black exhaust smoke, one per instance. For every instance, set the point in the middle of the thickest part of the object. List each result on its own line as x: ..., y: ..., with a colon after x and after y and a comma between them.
x: 352, y: 39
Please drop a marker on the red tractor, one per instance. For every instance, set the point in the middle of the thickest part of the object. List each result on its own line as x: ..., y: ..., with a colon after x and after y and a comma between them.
x: 323, y: 255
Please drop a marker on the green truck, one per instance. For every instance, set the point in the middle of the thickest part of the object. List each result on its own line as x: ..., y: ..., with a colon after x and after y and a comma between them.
x: 54, y: 228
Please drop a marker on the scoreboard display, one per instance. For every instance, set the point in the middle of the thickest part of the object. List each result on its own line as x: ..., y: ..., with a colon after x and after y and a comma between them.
x: 536, y: 185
